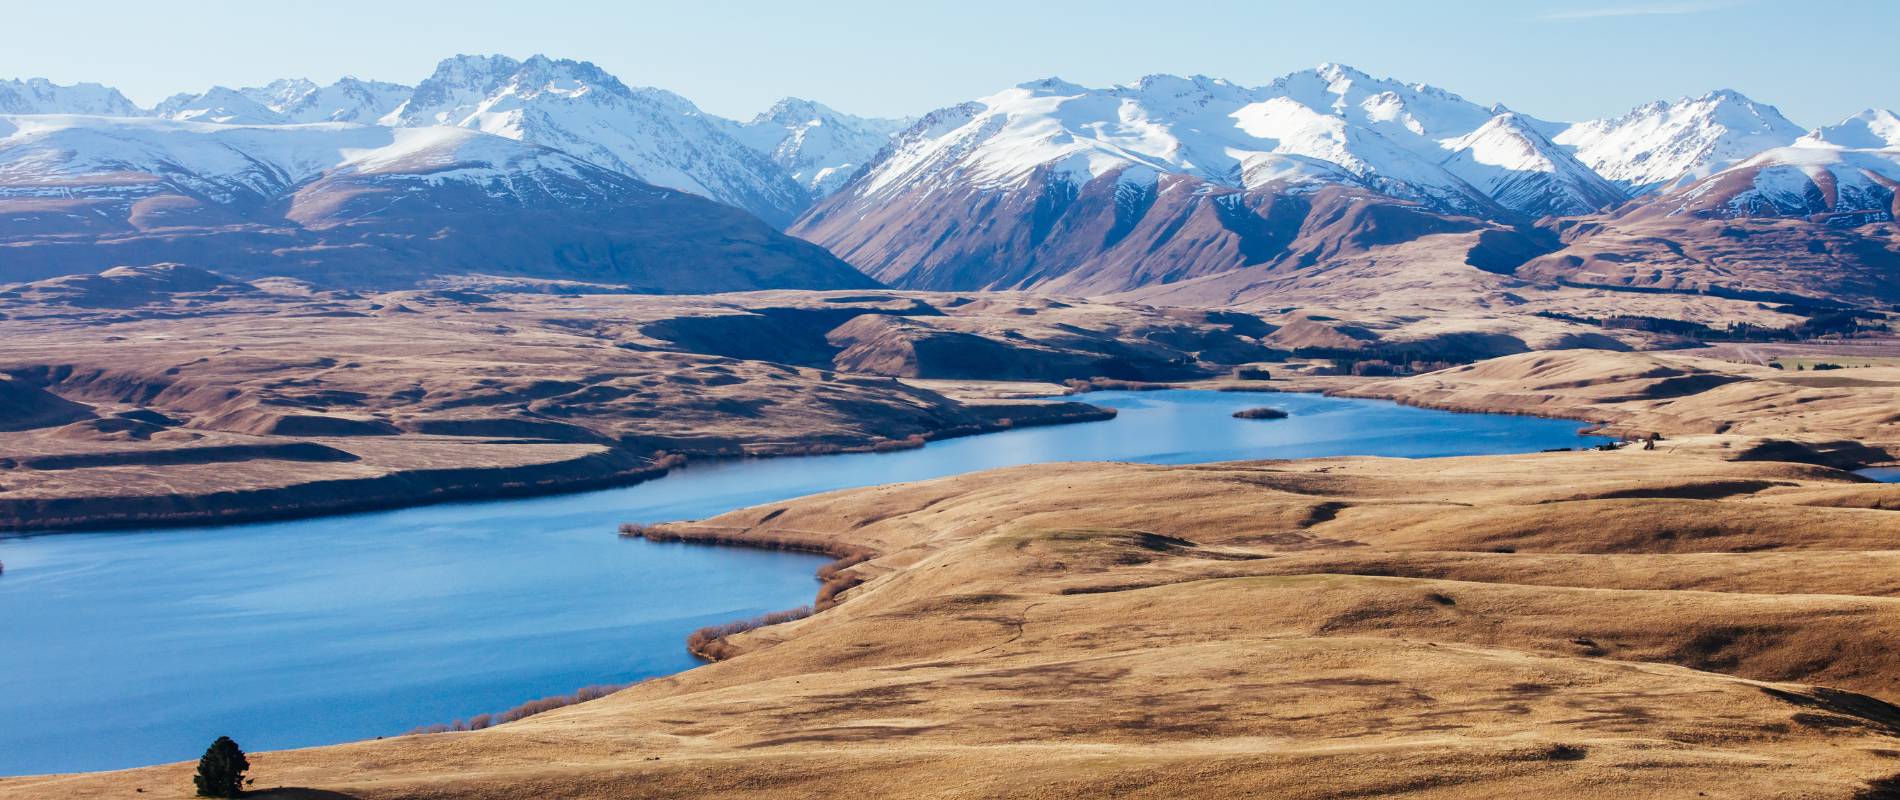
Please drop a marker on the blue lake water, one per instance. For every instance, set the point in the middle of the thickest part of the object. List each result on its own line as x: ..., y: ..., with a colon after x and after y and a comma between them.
x: 123, y: 649
x: 1882, y: 474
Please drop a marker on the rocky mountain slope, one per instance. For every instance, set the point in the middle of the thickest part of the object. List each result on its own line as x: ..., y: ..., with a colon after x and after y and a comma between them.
x: 366, y: 206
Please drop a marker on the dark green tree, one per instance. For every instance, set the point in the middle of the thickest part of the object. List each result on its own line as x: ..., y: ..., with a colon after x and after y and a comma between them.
x: 221, y: 770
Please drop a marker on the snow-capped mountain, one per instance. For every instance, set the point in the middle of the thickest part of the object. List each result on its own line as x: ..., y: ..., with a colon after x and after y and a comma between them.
x: 288, y: 101
x: 1661, y: 146
x: 1055, y: 153
x: 363, y: 205
x: 1873, y: 129
x: 41, y: 96
x: 244, y: 167
x: 574, y: 106
x: 1328, y: 125
x: 820, y: 147
x: 1846, y: 173
x: 219, y: 104
x: 1045, y: 184
x: 347, y: 100
x: 1512, y: 161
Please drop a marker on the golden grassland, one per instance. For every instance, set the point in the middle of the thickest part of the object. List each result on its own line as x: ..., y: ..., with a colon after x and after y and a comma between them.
x: 1580, y: 624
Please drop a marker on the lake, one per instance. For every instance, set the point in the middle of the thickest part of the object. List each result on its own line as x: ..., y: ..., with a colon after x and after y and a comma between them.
x: 140, y: 647
x: 1882, y: 474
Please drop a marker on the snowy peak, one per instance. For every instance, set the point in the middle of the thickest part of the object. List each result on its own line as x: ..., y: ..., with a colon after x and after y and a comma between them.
x: 1508, y: 141
x: 459, y: 82
x: 1395, y: 109
x: 1820, y: 182
x: 1662, y: 145
x: 1051, y: 85
x: 285, y: 101
x: 820, y: 147
x: 1326, y: 126
x: 220, y: 105
x: 347, y: 100
x: 574, y: 106
x: 41, y: 96
x: 1873, y: 129
x: 466, y: 87
x: 1511, y: 160
x: 367, y: 205
x: 791, y: 110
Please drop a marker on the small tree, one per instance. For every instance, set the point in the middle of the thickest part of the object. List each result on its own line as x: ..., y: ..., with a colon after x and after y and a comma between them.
x: 221, y: 770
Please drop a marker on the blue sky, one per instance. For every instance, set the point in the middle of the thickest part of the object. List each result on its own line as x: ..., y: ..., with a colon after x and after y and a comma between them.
x: 1817, y: 60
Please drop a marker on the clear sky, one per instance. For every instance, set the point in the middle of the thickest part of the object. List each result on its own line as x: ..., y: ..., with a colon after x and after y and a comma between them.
x: 1818, y: 60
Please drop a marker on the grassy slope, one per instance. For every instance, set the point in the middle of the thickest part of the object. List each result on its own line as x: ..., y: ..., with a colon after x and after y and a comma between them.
x: 1332, y: 628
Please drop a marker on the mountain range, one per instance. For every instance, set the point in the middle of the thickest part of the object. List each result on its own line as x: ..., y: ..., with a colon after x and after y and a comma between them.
x: 1047, y: 185
x: 772, y: 166
x: 363, y: 206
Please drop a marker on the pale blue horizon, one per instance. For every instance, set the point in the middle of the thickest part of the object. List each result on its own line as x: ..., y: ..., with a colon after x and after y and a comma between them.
x: 1556, y: 60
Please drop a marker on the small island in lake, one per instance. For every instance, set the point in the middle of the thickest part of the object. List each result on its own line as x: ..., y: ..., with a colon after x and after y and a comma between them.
x: 1262, y: 412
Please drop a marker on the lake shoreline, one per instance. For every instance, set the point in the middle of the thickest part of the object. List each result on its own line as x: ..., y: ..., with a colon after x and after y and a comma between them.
x: 614, y: 467
x: 519, y: 549
x: 609, y: 468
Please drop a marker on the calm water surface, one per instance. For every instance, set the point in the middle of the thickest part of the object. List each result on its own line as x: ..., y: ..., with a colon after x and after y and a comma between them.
x: 122, y: 649
x: 1882, y: 474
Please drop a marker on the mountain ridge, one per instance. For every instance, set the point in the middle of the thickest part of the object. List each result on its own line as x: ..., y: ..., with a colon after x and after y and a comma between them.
x: 1374, y: 124
x: 360, y: 206
x: 1050, y: 184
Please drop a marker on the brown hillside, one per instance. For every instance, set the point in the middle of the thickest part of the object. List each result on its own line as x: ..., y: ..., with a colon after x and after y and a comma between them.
x: 1313, y: 629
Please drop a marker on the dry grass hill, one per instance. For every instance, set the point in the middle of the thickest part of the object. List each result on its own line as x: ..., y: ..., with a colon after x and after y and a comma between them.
x: 1584, y: 624
x: 1847, y: 415
x: 1706, y: 619
x: 169, y: 395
